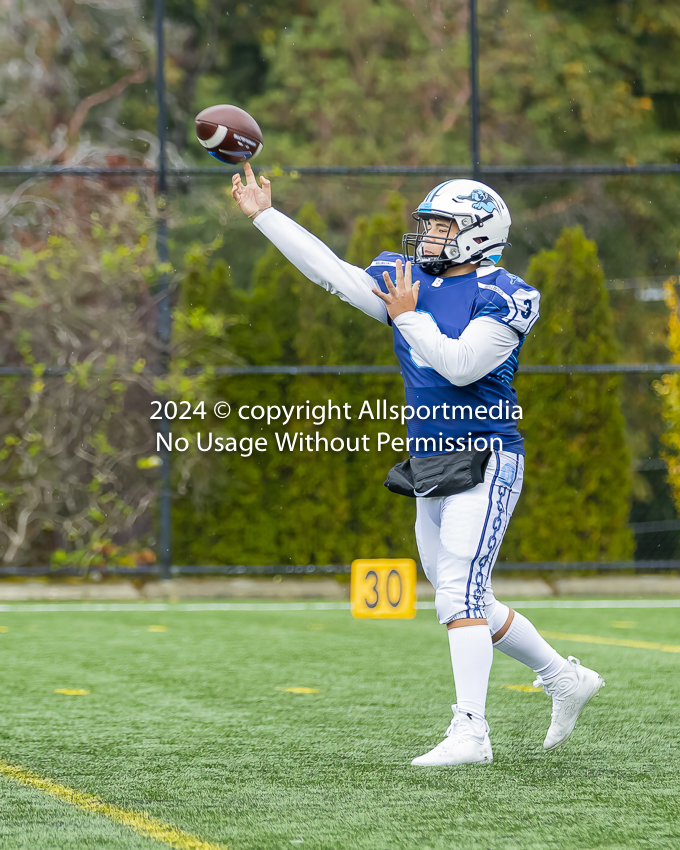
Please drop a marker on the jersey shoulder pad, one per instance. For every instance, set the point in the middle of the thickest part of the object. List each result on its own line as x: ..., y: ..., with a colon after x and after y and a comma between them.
x: 384, y: 262
x: 508, y: 299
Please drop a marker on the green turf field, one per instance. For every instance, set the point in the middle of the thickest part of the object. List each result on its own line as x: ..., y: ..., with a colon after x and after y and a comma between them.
x: 193, y: 726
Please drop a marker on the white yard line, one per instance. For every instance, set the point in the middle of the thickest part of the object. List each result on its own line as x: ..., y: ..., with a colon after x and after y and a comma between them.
x: 146, y: 607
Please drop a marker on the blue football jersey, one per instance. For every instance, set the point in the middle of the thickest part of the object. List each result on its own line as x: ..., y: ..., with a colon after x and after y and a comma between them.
x: 484, y: 409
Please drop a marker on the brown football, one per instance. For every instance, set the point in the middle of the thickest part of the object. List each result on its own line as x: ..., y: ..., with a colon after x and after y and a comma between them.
x: 228, y: 133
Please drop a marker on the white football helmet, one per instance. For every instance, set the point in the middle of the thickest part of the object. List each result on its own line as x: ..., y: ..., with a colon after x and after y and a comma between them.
x: 483, y: 221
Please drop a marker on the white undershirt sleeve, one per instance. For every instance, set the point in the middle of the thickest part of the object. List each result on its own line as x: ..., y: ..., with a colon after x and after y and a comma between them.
x: 317, y: 262
x: 482, y: 347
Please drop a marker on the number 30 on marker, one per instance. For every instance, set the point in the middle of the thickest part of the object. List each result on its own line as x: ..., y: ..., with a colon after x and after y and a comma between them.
x: 384, y: 588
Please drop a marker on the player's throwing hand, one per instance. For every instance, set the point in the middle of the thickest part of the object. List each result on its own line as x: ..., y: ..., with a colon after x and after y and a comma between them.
x: 403, y: 297
x: 251, y: 198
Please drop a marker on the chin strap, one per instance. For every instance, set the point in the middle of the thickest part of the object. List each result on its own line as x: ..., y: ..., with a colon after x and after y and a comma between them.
x: 437, y: 266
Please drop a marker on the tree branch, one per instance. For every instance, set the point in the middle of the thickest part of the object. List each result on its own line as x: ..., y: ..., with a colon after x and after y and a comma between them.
x: 91, y: 100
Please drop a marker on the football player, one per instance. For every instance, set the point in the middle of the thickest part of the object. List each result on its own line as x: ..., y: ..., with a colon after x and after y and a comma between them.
x: 458, y: 322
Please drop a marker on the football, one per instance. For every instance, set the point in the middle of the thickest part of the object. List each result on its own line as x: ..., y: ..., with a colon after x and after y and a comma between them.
x: 228, y: 133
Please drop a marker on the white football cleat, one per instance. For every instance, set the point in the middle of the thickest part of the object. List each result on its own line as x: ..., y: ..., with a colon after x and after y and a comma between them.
x: 462, y: 745
x: 570, y: 690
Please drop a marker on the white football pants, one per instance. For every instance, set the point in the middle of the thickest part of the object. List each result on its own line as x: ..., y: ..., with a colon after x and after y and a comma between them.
x: 459, y: 537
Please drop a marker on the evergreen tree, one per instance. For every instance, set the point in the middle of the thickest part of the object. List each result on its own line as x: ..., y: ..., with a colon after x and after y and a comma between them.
x: 385, y: 81
x: 577, y: 484
x: 669, y: 390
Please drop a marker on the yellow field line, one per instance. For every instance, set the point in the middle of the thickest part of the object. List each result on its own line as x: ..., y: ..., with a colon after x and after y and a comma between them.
x: 138, y: 821
x: 635, y: 644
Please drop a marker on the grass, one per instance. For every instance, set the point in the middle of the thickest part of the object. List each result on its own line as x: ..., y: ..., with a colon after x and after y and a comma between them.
x: 193, y: 726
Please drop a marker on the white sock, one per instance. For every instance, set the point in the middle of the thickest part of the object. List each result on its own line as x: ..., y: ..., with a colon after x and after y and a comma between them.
x: 471, y: 657
x: 523, y: 642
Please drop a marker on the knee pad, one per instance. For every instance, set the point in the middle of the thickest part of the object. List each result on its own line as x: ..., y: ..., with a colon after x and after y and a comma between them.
x: 496, y: 614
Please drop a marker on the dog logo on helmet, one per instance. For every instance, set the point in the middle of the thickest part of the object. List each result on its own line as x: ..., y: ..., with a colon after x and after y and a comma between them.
x: 481, y: 200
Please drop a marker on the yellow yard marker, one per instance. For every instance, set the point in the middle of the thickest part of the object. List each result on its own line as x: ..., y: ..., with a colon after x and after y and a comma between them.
x: 140, y: 822
x: 634, y: 644
x: 71, y: 692
x: 299, y: 690
x: 157, y: 629
x: 526, y: 689
x: 383, y: 588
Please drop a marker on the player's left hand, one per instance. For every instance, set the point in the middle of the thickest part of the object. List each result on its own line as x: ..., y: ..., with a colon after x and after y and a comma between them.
x: 403, y: 297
